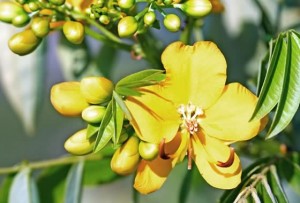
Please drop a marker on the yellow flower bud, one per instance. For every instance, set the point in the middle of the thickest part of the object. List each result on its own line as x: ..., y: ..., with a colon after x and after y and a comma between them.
x: 126, y: 158
x: 67, y: 98
x: 96, y: 90
x: 24, y: 42
x: 148, y: 151
x: 93, y: 114
x: 21, y: 20
x: 9, y: 10
x: 40, y: 26
x: 73, y: 31
x: 127, y: 26
x: 172, y: 22
x: 79, y: 144
x: 197, y: 8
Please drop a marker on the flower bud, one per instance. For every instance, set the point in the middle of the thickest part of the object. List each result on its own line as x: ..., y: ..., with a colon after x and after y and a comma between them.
x: 57, y: 2
x: 9, y: 10
x: 33, y: 6
x: 93, y: 114
x: 126, y: 4
x: 149, y: 18
x: 104, y: 19
x: 73, y: 31
x: 126, y: 158
x: 127, y: 26
x: 79, y: 144
x: 148, y: 151
x: 172, y: 22
x: 40, y: 26
x: 24, y: 42
x: 96, y: 90
x: 21, y: 20
x: 67, y: 98
x: 197, y: 8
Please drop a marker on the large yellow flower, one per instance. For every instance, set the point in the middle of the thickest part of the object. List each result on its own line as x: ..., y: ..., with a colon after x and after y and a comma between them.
x: 193, y: 113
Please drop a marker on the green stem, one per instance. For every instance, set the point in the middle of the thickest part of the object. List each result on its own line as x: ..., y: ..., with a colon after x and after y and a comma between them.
x: 49, y: 163
x: 186, y: 35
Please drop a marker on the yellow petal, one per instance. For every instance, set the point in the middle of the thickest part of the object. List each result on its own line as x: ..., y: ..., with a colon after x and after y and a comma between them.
x: 228, y: 118
x: 151, y: 175
x: 219, y: 177
x: 154, y: 117
x: 195, y: 73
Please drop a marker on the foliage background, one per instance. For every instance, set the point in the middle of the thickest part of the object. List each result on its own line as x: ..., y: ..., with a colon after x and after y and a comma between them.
x: 237, y: 32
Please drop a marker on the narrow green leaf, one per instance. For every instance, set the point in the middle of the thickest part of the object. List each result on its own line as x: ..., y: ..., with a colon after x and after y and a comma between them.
x: 53, y: 179
x: 276, y: 186
x: 22, y: 188
x: 118, y: 117
x: 122, y: 105
x: 98, y: 172
x: 125, y: 91
x: 262, y: 72
x: 290, y: 96
x: 5, y: 188
x: 271, y: 89
x: 263, y: 194
x: 92, y: 129
x: 289, y: 168
x: 142, y: 78
x: 106, y: 131
x: 74, y: 183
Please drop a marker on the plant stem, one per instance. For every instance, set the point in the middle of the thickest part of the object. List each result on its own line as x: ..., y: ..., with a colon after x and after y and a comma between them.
x: 48, y: 163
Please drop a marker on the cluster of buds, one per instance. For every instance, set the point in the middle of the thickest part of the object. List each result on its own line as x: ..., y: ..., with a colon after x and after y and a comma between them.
x: 88, y: 99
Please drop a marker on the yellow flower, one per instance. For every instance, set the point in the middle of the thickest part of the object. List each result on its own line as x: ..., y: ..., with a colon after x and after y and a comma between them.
x: 193, y: 112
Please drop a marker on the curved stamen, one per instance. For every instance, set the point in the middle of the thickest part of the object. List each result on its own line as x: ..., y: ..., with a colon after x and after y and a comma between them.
x: 162, y: 152
x: 230, y: 160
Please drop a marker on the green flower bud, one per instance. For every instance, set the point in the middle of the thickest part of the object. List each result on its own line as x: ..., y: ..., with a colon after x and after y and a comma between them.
x: 24, y: 42
x: 74, y: 31
x: 126, y: 4
x: 93, y: 114
x: 40, y: 26
x: 172, y: 22
x: 21, y: 20
x: 79, y: 144
x: 126, y: 158
x: 196, y: 8
x: 9, y: 10
x: 96, y: 90
x: 104, y: 19
x: 148, y: 151
x: 167, y: 2
x: 67, y: 99
x: 33, y: 6
x: 57, y: 2
x: 149, y: 18
x: 127, y: 26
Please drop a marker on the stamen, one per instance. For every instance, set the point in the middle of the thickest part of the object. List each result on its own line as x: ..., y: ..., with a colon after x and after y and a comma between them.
x: 189, y: 154
x: 230, y: 160
x: 162, y: 152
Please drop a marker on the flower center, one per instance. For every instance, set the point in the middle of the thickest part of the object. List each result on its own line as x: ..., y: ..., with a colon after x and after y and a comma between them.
x: 190, y: 115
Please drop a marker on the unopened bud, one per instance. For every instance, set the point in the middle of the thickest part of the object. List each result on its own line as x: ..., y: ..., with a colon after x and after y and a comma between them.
x: 127, y: 26
x: 195, y: 8
x: 67, y: 98
x: 93, y: 114
x: 79, y: 144
x: 148, y: 151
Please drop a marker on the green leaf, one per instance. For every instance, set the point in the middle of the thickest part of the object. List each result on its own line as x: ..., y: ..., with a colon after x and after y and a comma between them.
x: 140, y: 79
x: 289, y: 168
x: 290, y: 96
x: 276, y: 186
x: 265, y: 191
x: 92, y: 129
x: 53, y: 179
x: 23, y: 189
x: 122, y: 105
x: 118, y: 117
x: 106, y: 131
x: 22, y: 79
x: 128, y: 91
x: 272, y: 86
x: 98, y: 172
x: 5, y: 188
x: 262, y: 71
x: 74, y: 183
